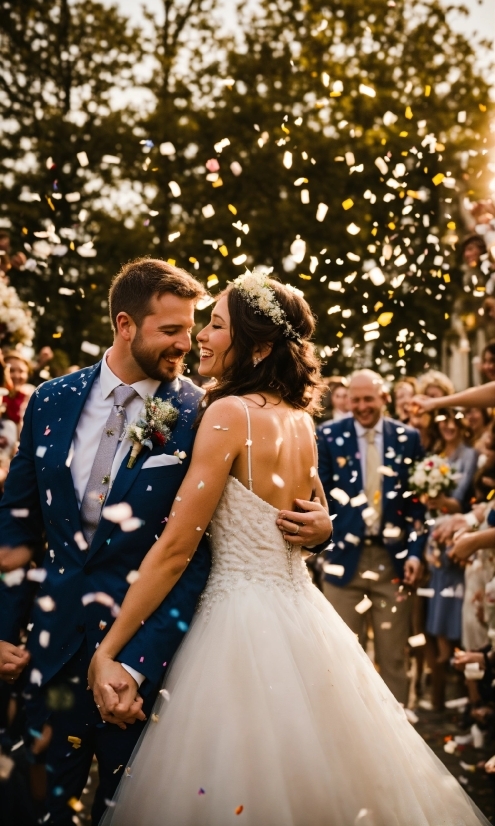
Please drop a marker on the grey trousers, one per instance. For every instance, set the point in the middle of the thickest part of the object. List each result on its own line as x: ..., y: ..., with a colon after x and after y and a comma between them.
x: 390, y: 615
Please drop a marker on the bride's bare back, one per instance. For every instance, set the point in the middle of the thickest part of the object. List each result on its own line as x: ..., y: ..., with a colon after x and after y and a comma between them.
x: 283, y: 452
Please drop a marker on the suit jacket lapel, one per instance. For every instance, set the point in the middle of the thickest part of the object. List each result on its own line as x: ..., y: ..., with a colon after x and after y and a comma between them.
x: 389, y: 445
x: 72, y: 414
x: 170, y: 391
x: 353, y: 449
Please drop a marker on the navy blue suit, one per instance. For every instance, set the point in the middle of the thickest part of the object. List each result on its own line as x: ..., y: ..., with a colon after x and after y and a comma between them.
x: 39, y: 505
x: 339, y: 467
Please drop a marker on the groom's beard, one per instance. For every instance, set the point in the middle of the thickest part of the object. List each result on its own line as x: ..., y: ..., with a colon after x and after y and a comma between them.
x: 154, y: 364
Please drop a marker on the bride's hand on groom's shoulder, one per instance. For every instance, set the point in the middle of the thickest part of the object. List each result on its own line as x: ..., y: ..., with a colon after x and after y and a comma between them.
x: 115, y: 692
x: 308, y: 527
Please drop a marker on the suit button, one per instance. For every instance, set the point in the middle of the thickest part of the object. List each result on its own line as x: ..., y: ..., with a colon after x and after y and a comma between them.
x: 80, y: 629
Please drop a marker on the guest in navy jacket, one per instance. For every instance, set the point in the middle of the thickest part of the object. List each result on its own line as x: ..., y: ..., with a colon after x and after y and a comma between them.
x: 364, y: 464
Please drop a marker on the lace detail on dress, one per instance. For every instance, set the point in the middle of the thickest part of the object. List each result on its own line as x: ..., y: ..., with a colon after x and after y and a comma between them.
x: 249, y: 550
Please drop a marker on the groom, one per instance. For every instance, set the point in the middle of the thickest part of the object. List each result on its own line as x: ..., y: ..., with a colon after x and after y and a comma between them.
x: 73, y: 462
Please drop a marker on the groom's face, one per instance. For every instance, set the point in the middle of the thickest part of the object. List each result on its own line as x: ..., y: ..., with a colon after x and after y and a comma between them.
x: 161, y: 341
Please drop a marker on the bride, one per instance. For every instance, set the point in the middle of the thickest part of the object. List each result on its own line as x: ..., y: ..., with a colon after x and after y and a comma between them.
x: 271, y: 712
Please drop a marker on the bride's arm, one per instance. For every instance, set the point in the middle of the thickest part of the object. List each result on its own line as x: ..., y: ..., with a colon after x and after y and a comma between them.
x: 220, y: 438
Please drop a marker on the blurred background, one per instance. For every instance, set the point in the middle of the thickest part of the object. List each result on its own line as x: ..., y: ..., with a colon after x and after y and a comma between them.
x: 348, y: 146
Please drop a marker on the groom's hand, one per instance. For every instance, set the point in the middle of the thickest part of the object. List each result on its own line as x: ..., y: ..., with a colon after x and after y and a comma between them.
x: 310, y: 527
x: 13, y: 660
x: 115, y: 693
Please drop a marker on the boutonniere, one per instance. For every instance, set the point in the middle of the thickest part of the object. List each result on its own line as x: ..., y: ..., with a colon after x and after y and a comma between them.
x: 154, y: 428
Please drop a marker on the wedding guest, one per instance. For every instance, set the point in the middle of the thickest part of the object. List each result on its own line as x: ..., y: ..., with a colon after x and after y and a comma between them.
x: 404, y: 390
x: 339, y: 395
x: 479, y: 421
x: 16, y: 401
x: 9, y: 261
x: 487, y: 366
x: 424, y: 424
x: 444, y: 608
x: 41, y: 367
x: 378, y: 533
x: 435, y: 384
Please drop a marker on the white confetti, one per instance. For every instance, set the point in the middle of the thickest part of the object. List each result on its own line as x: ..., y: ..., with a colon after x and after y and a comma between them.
x: 44, y: 639
x: 208, y: 211
x: 83, y: 158
x: 165, y: 694
x: 417, y: 640
x: 340, y: 496
x: 19, y: 513
x: 49, y: 497
x: 36, y: 574
x: 46, y: 603
x: 333, y: 570
x: 40, y: 451
x: 15, y: 577
x: 321, y: 212
x: 201, y: 485
x: 90, y: 349
x: 132, y: 576
x: 401, y: 554
x: 117, y: 513
x: 131, y: 524
x: 363, y: 606
x: 392, y: 532
x: 352, y: 538
x: 80, y: 541
x: 386, y: 471
x: 360, y: 499
x: 277, y: 480
x: 371, y: 575
x: 425, y: 592
x: 35, y: 677
x: 167, y: 148
x: 287, y: 161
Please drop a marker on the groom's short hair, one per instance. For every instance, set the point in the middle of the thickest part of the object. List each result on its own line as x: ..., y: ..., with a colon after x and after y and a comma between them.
x: 138, y: 281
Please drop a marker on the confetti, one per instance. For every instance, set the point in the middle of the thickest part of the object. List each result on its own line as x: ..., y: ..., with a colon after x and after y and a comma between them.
x: 371, y: 575
x: 363, y: 606
x: 340, y: 496
x: 48, y: 497
x: 13, y: 578
x: 35, y: 677
x: 36, y: 574
x: 83, y: 158
x: 277, y: 480
x: 117, y: 513
x: 132, y: 576
x: 425, y: 592
x: 333, y: 569
x: 164, y: 693
x: 46, y: 603
x: 44, y: 639
x: 417, y: 640
x: 321, y: 212
x: 73, y: 802
x: 239, y: 810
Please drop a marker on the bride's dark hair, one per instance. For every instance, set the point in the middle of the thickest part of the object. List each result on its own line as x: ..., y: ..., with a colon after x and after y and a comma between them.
x: 292, y: 369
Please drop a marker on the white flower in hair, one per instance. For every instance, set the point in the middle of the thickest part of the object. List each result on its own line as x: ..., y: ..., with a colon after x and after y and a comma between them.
x: 257, y: 291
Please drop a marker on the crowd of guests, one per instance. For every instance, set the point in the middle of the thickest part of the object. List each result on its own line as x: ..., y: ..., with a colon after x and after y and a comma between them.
x: 452, y: 617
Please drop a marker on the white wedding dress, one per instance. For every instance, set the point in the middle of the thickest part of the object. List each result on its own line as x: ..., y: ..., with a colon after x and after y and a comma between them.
x: 276, y: 716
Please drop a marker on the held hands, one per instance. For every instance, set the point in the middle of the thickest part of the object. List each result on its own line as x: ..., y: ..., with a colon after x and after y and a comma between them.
x: 310, y: 528
x: 413, y: 570
x: 115, y: 692
x: 13, y: 660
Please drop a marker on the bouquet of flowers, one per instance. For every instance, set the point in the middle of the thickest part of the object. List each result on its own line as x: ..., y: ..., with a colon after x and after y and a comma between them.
x: 154, y: 428
x: 16, y: 323
x: 431, y: 477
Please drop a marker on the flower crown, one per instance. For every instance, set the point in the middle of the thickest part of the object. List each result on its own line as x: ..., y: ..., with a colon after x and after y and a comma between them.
x: 256, y: 290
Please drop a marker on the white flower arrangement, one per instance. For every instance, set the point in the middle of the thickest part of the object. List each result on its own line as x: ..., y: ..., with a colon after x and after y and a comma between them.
x: 256, y: 290
x: 16, y: 323
x: 431, y: 477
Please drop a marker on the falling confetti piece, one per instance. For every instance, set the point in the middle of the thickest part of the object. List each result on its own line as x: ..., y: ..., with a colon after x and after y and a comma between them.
x: 201, y: 791
x: 321, y: 212
x: 117, y: 513
x: 48, y: 497
x: 367, y: 90
x: 44, y: 639
x: 132, y: 576
x: 76, y: 741
x: 417, y: 640
x: 363, y: 606
x: 201, y: 485
x: 83, y: 158
x: 373, y: 575
x: 164, y: 693
x: 353, y: 229
x: 239, y: 810
x: 425, y: 592
x: 36, y: 575
x: 46, y: 603
x: 333, y: 570
x: 278, y: 481
x: 73, y: 802
x: 19, y: 513
x: 287, y: 160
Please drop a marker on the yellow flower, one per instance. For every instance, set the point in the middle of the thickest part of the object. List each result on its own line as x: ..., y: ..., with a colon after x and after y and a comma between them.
x: 444, y: 469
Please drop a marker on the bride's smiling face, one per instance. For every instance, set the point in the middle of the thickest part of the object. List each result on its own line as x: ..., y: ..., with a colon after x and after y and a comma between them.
x: 214, y: 341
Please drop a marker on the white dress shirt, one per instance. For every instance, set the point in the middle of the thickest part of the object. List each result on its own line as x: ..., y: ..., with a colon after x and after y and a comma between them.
x: 88, y: 434
x: 363, y: 444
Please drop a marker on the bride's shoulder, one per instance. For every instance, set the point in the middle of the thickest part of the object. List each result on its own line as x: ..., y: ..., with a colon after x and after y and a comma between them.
x: 223, y: 411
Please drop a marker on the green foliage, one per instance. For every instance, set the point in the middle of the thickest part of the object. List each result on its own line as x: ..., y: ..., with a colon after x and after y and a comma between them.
x: 294, y: 85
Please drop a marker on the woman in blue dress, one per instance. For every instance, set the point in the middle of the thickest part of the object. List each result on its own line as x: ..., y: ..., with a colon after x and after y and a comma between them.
x: 444, y: 610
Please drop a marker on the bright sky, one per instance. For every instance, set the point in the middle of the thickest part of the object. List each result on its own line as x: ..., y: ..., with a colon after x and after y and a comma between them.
x: 481, y: 13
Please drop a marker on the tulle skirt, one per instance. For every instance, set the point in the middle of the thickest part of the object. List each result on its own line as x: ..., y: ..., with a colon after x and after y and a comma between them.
x: 273, y: 715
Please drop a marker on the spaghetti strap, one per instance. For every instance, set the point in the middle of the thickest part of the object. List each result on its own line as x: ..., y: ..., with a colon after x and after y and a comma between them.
x: 248, y: 443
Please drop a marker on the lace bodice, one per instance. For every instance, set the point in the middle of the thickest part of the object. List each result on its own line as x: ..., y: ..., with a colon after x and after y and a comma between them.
x: 248, y: 548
